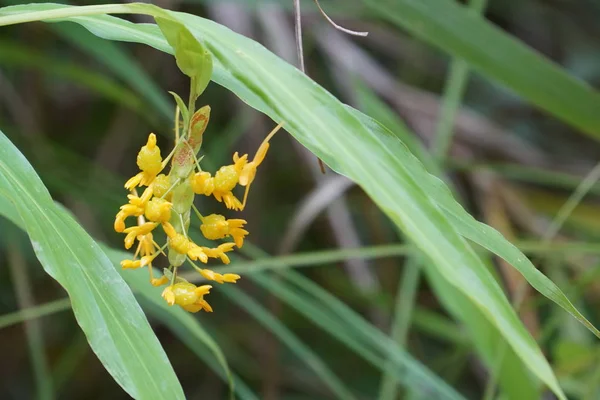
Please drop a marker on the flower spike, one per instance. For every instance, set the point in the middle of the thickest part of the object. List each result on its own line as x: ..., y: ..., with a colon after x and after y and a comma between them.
x: 166, y: 202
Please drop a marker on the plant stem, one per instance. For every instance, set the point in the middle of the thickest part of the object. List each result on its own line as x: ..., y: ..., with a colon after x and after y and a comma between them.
x: 33, y: 312
x: 33, y: 329
x: 403, y: 310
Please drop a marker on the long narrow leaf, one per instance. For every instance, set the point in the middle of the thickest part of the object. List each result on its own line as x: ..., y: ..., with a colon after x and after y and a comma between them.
x: 104, y: 306
x: 451, y: 27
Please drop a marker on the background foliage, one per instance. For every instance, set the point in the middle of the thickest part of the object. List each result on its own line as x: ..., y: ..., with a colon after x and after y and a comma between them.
x: 78, y: 108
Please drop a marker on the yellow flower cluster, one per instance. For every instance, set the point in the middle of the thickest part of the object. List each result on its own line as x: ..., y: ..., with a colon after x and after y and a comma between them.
x: 166, y: 202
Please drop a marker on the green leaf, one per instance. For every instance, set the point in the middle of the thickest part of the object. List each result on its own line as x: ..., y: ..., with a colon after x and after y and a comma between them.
x: 515, y: 380
x: 483, y: 234
x: 182, y: 107
x: 192, y: 58
x: 493, y: 53
x: 103, y: 304
x: 513, y: 377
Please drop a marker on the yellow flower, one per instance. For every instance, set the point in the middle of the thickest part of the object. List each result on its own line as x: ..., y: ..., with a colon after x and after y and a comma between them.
x: 127, y: 210
x: 131, y: 264
x: 225, y: 179
x: 135, y: 231
x: 215, y: 276
x: 168, y: 295
x: 161, y: 184
x: 158, y: 210
x: 146, y: 244
x: 180, y: 243
x: 219, y: 252
x: 169, y: 230
x: 149, y: 161
x: 231, y: 202
x: 187, y: 296
x: 202, y: 183
x: 119, y: 224
x: 159, y: 281
x: 183, y: 245
x: 170, y: 197
x: 249, y: 170
x: 197, y: 253
x: 215, y: 226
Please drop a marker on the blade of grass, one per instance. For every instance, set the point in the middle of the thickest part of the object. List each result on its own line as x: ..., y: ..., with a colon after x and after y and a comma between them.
x: 351, y: 329
x: 452, y: 28
x: 527, y: 174
x: 182, y: 323
x: 304, y: 352
x: 38, y: 311
x: 33, y: 329
x: 563, y: 214
x: 514, y: 379
x: 456, y: 84
x: 584, y: 187
x: 403, y: 311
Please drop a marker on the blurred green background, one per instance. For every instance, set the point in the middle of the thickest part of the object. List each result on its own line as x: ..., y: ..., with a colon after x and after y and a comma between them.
x: 79, y: 108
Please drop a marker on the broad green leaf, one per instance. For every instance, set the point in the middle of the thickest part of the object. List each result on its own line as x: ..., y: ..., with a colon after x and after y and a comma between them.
x: 192, y: 59
x: 481, y: 233
x: 449, y: 26
x: 347, y: 141
x: 103, y: 304
x: 513, y: 378
x: 376, y: 108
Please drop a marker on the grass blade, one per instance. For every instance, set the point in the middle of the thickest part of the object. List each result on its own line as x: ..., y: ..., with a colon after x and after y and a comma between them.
x: 302, y: 350
x: 495, y: 54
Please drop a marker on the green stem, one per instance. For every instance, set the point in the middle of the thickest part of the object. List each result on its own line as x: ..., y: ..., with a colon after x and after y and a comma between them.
x: 197, y: 212
x: 453, y: 95
x: 33, y: 329
x: 374, y: 252
x: 79, y: 11
x: 30, y: 313
x: 403, y: 310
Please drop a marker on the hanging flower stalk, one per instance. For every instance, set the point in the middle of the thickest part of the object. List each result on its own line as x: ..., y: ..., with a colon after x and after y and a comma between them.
x: 167, y: 199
